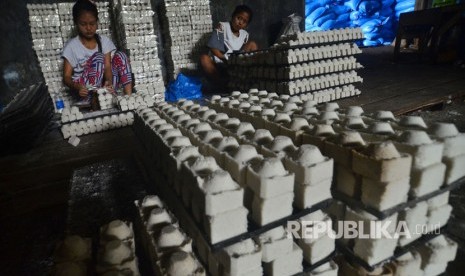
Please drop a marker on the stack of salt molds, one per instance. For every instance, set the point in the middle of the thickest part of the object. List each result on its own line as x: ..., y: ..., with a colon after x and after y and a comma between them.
x: 187, y: 25
x: 280, y: 255
x: 202, y: 179
x: 117, y: 252
x: 45, y: 25
x: 380, y: 161
x: 131, y: 102
x: 138, y: 33
x: 106, y: 99
x: 168, y: 247
x: 159, y: 129
x: 97, y: 124
x: 317, y: 63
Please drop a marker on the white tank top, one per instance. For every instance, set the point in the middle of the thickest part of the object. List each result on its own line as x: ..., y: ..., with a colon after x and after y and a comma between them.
x: 232, y: 42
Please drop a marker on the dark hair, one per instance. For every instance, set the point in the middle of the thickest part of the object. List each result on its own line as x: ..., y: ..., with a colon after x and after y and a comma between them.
x: 243, y: 8
x: 81, y: 6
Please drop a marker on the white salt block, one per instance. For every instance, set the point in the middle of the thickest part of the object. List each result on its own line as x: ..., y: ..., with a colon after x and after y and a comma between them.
x: 340, y: 147
x: 240, y: 257
x: 236, y: 162
x: 306, y: 196
x: 157, y: 217
x: 416, y: 220
x: 73, y: 140
x: 454, y: 170
x: 361, y: 216
x: 262, y: 137
x: 435, y: 255
x: 427, y: 180
x: 184, y: 263
x: 412, y: 122
x: 268, y: 178
x: 286, y: 264
x: 219, y: 193
x: 438, y: 200
x: 374, y: 251
x: 192, y: 168
x: 271, y: 209
x: 116, y: 253
x: 309, y: 165
x: 226, y: 225
x: 117, y: 229
x: 382, y: 162
x: 438, y: 217
x: 348, y: 182
x: 424, y: 151
x: 384, y: 195
x: 454, y: 142
x: 279, y: 147
x: 408, y: 264
x: 318, y: 249
x: 274, y: 243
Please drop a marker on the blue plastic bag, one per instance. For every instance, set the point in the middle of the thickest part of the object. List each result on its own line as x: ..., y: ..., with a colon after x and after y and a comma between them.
x: 184, y: 87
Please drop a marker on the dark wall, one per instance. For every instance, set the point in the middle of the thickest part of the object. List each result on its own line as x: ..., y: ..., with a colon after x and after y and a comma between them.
x: 19, y: 66
x: 18, y: 63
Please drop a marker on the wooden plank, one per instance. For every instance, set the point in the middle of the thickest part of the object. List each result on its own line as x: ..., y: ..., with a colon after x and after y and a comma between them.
x: 414, y: 101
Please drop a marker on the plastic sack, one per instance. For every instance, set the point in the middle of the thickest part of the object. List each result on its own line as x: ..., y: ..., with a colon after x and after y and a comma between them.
x: 184, y: 87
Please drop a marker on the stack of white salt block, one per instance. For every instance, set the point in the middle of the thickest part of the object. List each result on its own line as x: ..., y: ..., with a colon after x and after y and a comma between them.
x: 72, y: 256
x: 340, y: 147
x: 236, y: 163
x: 427, y: 174
x: 315, y: 170
x: 97, y: 124
x: 204, y: 186
x: 217, y: 203
x: 242, y: 258
x: 273, y: 188
x: 134, y: 101
x: 280, y: 255
x: 71, y: 114
x: 313, y: 175
x: 169, y: 248
x: 106, y: 99
x: 318, y: 245
x: 205, y: 189
x: 369, y: 248
x: 117, y: 249
x: 429, y: 259
x: 453, y: 154
x: 435, y: 255
x: 385, y: 175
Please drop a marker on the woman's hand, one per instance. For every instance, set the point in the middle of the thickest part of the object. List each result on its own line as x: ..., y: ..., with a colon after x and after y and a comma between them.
x: 109, y: 87
x: 83, y: 92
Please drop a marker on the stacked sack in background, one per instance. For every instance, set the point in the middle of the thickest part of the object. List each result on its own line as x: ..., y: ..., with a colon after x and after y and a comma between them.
x: 377, y: 19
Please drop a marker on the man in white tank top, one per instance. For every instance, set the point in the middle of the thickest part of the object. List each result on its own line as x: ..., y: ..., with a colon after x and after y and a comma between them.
x: 227, y: 38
